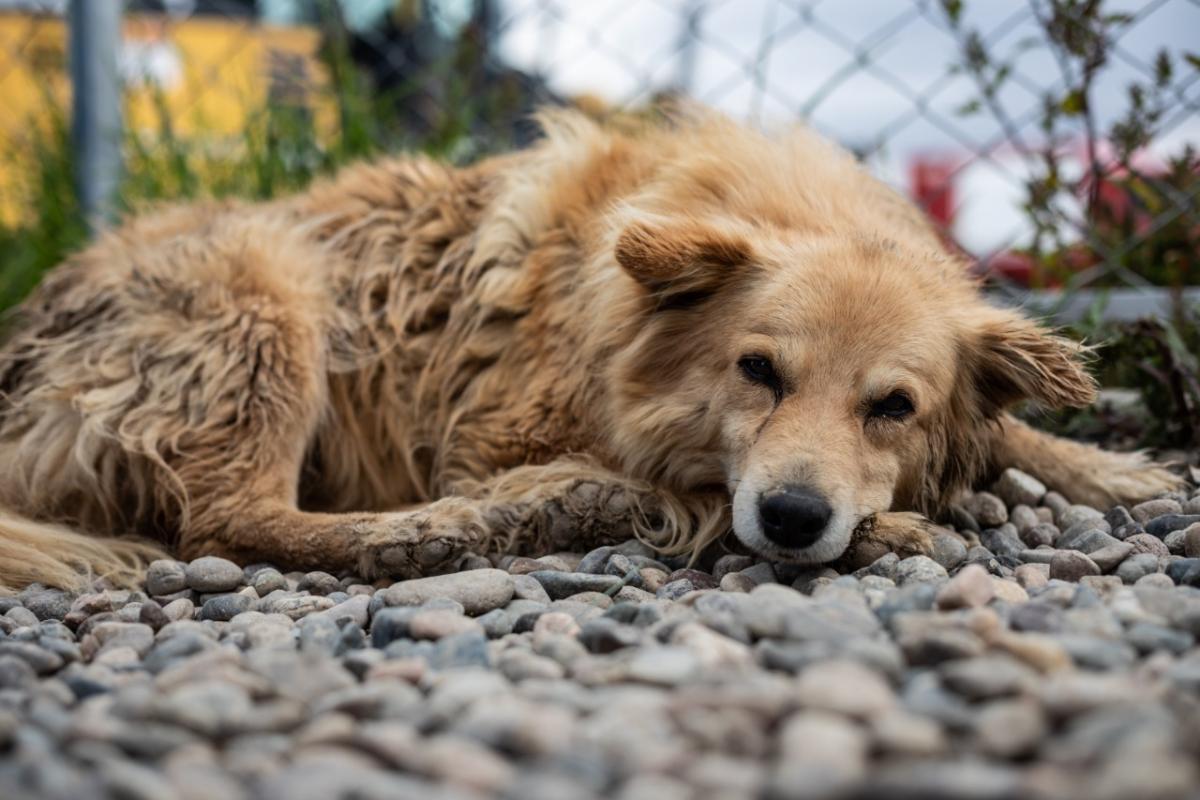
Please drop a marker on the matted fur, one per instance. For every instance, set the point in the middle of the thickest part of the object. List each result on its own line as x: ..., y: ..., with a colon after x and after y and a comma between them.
x: 410, y: 361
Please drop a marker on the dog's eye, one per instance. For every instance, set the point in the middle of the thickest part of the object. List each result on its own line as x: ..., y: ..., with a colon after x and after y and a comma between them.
x: 759, y: 370
x: 896, y: 405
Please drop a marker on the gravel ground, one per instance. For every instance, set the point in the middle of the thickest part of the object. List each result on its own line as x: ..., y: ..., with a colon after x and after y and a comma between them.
x: 1047, y: 651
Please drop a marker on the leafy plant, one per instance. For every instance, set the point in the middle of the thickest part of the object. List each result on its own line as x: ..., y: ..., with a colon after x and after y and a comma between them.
x: 1116, y: 222
x: 1112, y: 223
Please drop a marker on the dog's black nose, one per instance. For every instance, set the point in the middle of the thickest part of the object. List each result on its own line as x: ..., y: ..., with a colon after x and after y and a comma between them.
x: 793, y: 517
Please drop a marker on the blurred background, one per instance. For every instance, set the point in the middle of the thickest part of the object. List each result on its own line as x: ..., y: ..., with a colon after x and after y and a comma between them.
x: 1052, y: 141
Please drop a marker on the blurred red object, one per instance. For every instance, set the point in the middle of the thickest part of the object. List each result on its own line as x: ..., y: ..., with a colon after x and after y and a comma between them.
x: 1114, y: 207
x: 931, y: 184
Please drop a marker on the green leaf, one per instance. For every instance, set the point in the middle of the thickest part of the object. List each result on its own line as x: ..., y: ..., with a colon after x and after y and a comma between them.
x: 1192, y: 59
x: 968, y: 108
x: 1073, y: 103
x: 953, y: 9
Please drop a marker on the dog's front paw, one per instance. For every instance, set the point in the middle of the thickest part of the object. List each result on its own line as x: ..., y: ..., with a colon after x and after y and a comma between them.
x: 903, y: 533
x: 424, y: 541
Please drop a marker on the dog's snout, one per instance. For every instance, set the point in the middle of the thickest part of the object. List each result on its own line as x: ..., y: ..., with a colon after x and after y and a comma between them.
x: 794, y: 516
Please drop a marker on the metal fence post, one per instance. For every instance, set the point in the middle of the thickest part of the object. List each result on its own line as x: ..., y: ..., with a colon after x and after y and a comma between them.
x: 96, y: 105
x: 689, y: 34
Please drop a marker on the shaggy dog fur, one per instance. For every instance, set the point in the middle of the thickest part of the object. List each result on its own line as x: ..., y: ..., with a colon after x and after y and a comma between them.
x: 612, y: 334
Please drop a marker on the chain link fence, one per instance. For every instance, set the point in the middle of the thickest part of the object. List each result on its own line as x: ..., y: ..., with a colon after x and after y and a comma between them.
x: 897, y: 81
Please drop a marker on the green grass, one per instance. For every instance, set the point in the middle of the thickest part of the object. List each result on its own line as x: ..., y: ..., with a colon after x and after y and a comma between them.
x: 278, y: 152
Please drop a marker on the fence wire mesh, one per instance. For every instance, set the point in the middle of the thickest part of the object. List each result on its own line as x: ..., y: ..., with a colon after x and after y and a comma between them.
x: 893, y: 80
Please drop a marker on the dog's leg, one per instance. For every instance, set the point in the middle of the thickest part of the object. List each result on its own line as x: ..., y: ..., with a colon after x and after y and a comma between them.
x: 420, y: 541
x: 1082, y: 472
x: 563, y: 505
x: 533, y: 509
x: 576, y: 505
x: 901, y: 532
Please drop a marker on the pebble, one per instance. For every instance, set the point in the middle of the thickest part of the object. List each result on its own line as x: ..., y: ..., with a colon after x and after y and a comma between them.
x: 1023, y: 518
x: 1009, y: 729
x: 1162, y: 526
x: 164, y: 576
x: 948, y: 549
x: 1144, y: 512
x: 987, y: 509
x: 666, y: 666
x: 1017, y: 488
x: 1044, y: 534
x: 212, y: 574
x: 1137, y: 566
x: 1191, y: 541
x: 47, y: 603
x: 1023, y: 658
x: 1145, y: 543
x: 845, y: 687
x: 1107, y: 558
x: 970, y: 588
x: 1009, y: 591
x: 479, y: 591
x: 919, y: 569
x: 1071, y: 565
x: 439, y: 623
x: 1074, y: 515
x: 1032, y: 576
x: 821, y: 751
x: 225, y: 607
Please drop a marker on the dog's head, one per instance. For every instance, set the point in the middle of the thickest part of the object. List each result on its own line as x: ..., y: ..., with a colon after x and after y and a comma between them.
x: 820, y: 379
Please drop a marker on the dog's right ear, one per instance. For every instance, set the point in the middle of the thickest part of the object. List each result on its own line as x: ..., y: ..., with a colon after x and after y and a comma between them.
x: 684, y: 257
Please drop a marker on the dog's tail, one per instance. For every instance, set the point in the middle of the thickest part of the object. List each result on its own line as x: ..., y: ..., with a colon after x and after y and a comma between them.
x: 54, y: 555
x: 1082, y: 472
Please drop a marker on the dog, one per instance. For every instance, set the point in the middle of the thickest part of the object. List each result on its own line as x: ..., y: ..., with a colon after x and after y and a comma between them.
x: 666, y: 331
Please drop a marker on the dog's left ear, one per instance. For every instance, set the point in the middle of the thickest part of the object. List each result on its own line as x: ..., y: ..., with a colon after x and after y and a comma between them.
x: 1015, y: 359
x: 681, y: 256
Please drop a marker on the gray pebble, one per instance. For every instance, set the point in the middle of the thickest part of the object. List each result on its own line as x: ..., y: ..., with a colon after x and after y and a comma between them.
x: 1136, y: 566
x: 1015, y: 487
x: 664, y: 665
x: 479, y: 590
x: 389, y: 625
x: 268, y: 580
x: 987, y: 509
x: 496, y: 623
x: 212, y: 574
x: 1161, y: 526
x: 165, y: 576
x: 948, y: 549
x: 321, y: 583
x: 225, y: 607
x: 1009, y: 729
x: 1076, y: 514
x: 675, y: 589
x: 1144, y: 512
x: 47, y: 603
x: 16, y: 671
x: 1002, y: 541
x: 41, y: 660
x: 1040, y: 535
x: 1107, y: 558
x: 919, y: 569
x: 1071, y: 565
x: 1191, y: 541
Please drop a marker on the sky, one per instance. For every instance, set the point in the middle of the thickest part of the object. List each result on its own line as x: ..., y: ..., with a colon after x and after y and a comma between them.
x: 855, y: 69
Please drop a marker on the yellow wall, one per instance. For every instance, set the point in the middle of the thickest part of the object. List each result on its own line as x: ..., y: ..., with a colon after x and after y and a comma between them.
x: 210, y: 73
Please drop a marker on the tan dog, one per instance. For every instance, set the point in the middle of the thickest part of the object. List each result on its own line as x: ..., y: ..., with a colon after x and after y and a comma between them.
x: 611, y: 334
